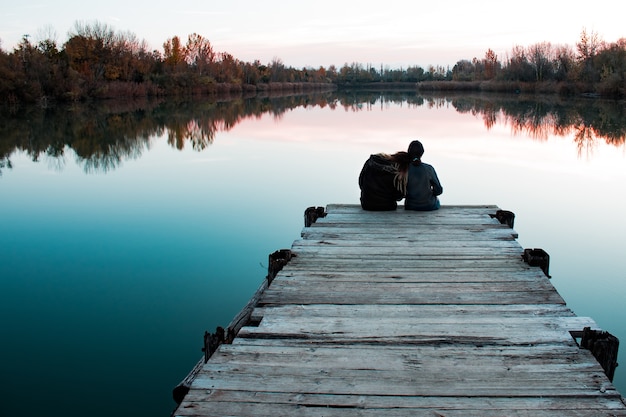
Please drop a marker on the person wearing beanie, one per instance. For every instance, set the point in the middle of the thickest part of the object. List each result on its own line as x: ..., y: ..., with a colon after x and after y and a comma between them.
x: 423, y: 185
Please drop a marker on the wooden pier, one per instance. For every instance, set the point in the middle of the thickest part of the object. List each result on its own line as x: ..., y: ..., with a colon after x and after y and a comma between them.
x: 406, y: 314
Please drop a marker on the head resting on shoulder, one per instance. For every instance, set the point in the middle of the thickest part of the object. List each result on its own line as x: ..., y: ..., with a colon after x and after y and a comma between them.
x: 416, y: 150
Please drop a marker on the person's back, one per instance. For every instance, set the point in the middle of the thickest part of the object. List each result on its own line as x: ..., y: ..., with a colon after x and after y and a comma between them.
x: 380, y: 189
x: 423, y: 185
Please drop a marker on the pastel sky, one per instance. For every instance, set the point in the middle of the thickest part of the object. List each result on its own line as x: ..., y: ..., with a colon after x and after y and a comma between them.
x: 324, y: 32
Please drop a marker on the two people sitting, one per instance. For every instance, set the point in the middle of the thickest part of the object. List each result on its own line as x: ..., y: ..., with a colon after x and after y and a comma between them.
x: 387, y: 179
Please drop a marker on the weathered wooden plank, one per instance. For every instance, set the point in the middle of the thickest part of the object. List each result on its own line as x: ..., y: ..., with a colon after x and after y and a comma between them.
x: 488, y: 330
x: 446, y: 212
x: 277, y: 351
x: 404, y: 245
x: 366, y: 410
x: 417, y: 263
x: 410, y: 275
x: 427, y: 287
x: 408, y: 290
x: 415, y: 311
x: 405, y: 217
x: 408, y: 294
x: 361, y: 297
x: 426, y: 361
x: 404, y: 252
x: 468, y: 381
x: 417, y: 234
x: 235, y: 403
x: 483, y: 223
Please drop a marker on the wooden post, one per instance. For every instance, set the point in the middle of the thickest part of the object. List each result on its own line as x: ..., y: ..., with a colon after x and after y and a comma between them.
x: 212, y: 342
x: 277, y: 260
x: 311, y: 214
x: 537, y: 257
x: 604, y: 347
x: 504, y: 217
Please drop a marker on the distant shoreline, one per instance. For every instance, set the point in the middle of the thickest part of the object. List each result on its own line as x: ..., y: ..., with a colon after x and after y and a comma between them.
x: 124, y: 91
x: 508, y: 87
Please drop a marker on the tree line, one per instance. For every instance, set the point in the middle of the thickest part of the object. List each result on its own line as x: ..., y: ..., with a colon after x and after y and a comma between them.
x: 98, y: 62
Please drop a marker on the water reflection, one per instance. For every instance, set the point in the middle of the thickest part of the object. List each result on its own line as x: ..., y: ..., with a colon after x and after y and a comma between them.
x: 103, y: 135
x: 588, y: 120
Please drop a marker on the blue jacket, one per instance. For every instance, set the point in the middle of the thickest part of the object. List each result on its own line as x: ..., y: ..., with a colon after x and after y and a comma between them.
x: 423, y: 187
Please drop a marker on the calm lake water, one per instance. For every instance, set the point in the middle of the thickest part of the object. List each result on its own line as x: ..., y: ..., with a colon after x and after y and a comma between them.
x: 129, y: 231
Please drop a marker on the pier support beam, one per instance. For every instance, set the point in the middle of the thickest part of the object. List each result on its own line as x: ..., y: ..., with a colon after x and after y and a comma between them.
x: 604, y: 347
x: 277, y: 260
x: 311, y: 215
x: 537, y: 257
x: 505, y: 217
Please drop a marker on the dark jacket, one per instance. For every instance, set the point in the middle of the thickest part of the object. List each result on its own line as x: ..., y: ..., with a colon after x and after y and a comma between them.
x: 423, y: 188
x: 377, y: 182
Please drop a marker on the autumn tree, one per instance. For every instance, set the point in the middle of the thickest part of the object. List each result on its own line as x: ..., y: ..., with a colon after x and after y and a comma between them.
x: 491, y: 64
x: 357, y: 73
x: 319, y: 75
x: 89, y: 49
x: 174, y: 54
x: 564, y: 62
x: 277, y: 69
x: 251, y: 72
x: 130, y: 60
x: 479, y: 68
x: 587, y: 47
x: 540, y: 58
x: 199, y: 54
x: 332, y: 73
x: 14, y: 83
x: 610, y: 62
x: 229, y: 69
x: 517, y: 67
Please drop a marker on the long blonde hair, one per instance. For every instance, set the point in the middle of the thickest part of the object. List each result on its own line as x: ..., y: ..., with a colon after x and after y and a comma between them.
x: 401, y: 161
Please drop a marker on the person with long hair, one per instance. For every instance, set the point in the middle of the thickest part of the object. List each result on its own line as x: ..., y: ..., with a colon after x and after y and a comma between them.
x: 383, y: 181
x: 423, y: 185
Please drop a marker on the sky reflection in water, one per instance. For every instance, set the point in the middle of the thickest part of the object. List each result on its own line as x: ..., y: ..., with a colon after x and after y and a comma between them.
x: 109, y: 280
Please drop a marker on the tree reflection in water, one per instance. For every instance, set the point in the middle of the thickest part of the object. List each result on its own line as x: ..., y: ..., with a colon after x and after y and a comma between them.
x: 103, y: 135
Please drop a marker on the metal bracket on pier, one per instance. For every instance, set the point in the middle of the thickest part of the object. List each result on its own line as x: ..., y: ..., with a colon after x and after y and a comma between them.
x: 537, y: 257
x: 311, y: 215
x: 504, y: 217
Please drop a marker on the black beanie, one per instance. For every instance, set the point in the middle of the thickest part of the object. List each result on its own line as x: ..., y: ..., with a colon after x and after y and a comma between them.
x: 416, y: 149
